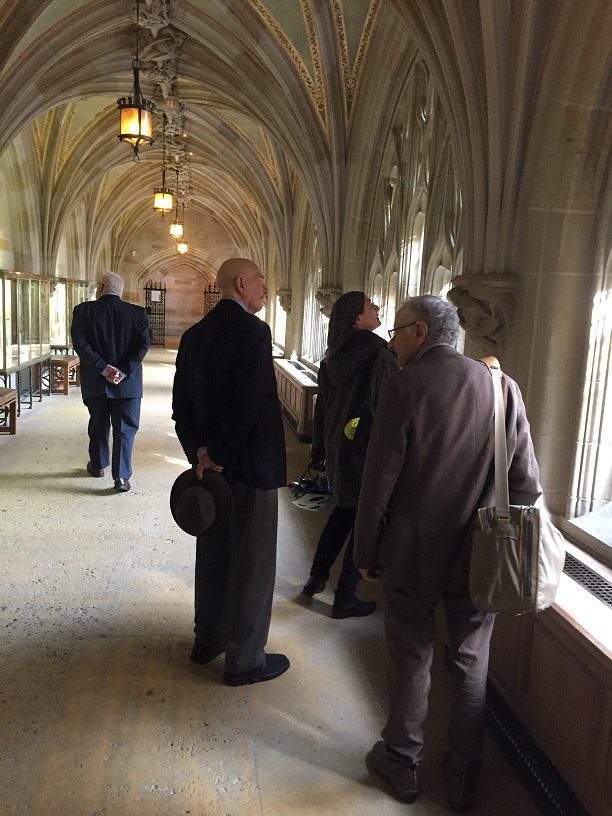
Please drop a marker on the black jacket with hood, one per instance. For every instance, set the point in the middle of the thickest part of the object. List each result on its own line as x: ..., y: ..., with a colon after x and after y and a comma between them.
x: 350, y: 379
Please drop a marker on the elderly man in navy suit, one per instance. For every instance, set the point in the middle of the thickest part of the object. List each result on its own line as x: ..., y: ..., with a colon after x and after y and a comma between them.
x: 227, y: 415
x: 111, y: 338
x: 429, y: 467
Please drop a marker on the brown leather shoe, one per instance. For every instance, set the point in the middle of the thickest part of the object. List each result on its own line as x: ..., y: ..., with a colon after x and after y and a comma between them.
x: 97, y: 472
x: 398, y: 771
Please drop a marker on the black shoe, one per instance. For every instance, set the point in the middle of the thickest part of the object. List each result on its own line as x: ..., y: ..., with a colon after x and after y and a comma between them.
x: 461, y: 787
x: 97, y: 472
x: 273, y: 666
x: 313, y: 585
x: 398, y: 771
x: 355, y: 608
x: 122, y: 485
x: 205, y: 654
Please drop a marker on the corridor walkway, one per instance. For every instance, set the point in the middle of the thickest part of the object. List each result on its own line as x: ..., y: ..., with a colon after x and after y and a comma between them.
x: 101, y: 711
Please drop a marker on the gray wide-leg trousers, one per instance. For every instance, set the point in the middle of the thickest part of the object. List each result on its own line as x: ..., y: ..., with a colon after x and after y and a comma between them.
x: 410, y: 630
x: 234, y: 579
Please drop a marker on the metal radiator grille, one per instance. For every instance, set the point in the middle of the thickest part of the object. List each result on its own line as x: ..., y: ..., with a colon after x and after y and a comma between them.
x: 545, y: 785
x: 588, y: 579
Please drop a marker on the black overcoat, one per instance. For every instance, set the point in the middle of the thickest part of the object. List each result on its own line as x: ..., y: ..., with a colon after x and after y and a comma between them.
x: 225, y: 396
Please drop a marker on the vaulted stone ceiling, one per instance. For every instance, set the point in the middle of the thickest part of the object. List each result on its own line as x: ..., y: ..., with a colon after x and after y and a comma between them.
x: 257, y: 94
x: 287, y: 106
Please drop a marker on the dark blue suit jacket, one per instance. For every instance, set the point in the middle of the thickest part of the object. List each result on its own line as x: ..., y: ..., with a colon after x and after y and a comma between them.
x: 110, y: 331
x: 225, y: 397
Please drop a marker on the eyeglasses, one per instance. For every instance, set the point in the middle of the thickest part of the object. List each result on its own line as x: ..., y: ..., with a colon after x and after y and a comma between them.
x: 397, y: 328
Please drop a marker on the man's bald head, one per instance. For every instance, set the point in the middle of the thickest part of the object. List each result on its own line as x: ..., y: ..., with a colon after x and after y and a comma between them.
x: 241, y: 279
x: 230, y: 271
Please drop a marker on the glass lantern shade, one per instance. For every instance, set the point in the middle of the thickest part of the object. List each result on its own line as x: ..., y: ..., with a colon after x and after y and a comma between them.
x: 176, y: 229
x: 162, y: 200
x: 135, y: 125
x: 182, y: 247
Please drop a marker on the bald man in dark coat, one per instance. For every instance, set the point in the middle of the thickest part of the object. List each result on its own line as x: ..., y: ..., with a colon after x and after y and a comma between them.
x: 228, y: 417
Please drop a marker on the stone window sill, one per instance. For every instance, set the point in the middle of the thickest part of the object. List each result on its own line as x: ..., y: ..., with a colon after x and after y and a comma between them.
x: 582, y: 610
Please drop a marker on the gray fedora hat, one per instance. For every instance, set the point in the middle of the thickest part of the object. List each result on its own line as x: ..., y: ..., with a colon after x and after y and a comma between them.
x: 201, y: 505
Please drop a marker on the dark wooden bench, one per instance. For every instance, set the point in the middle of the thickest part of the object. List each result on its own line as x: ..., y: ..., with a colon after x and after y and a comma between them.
x: 64, y: 370
x: 8, y: 404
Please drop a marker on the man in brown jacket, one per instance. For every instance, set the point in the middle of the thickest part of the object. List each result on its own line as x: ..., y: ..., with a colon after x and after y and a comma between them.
x: 429, y: 467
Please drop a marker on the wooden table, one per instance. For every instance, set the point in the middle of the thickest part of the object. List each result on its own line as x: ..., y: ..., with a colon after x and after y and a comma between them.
x: 8, y: 404
x: 64, y: 371
x: 28, y: 376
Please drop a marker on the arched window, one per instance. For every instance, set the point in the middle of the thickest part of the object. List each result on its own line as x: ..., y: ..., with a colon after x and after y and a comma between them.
x: 280, y: 324
x: 411, y: 255
x: 389, y: 200
x: 392, y: 303
x: 377, y: 292
x: 314, y: 332
x: 388, y: 302
x: 591, y: 501
x: 57, y: 313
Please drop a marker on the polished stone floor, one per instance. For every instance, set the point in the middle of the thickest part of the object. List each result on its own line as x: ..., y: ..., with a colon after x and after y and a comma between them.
x: 101, y: 712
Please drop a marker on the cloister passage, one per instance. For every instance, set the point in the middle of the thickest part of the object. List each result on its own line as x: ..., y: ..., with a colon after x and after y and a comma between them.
x: 102, y: 711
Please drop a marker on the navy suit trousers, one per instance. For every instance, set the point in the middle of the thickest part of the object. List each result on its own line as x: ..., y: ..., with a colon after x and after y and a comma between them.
x: 124, y: 416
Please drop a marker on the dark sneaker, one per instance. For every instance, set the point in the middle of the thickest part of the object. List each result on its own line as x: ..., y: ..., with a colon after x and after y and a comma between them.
x: 461, y: 787
x: 313, y: 586
x: 203, y: 654
x: 273, y: 666
x: 355, y: 608
x: 398, y: 771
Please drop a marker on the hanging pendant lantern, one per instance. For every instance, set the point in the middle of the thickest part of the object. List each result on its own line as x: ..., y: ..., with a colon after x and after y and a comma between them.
x: 162, y: 200
x: 162, y: 196
x: 182, y: 247
x: 135, y: 112
x: 176, y: 226
x: 176, y: 229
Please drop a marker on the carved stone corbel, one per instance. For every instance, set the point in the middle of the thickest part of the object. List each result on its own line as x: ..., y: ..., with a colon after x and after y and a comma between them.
x: 158, y: 49
x: 175, y: 125
x: 326, y: 297
x: 284, y: 298
x: 159, y: 56
x: 485, y: 306
x: 154, y: 15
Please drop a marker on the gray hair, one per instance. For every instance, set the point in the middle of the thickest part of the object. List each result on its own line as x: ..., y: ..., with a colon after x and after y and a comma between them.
x: 439, y: 314
x: 113, y: 284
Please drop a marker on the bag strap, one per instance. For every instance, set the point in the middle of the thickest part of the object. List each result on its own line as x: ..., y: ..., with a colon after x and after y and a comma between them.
x: 502, y: 493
